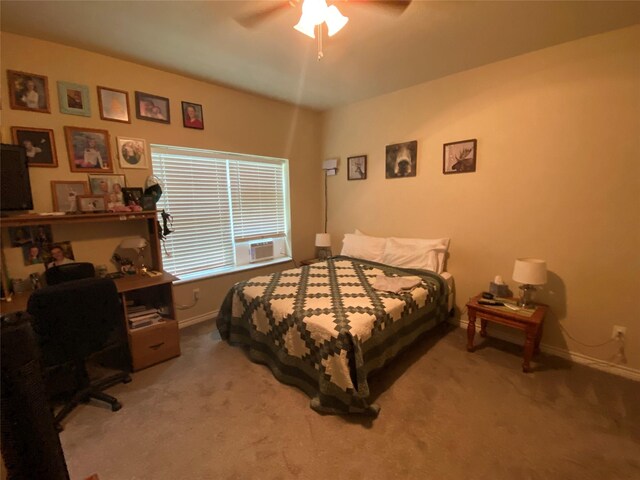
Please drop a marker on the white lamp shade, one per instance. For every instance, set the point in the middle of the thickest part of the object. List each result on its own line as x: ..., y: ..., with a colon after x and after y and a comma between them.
x: 133, y: 242
x: 323, y: 240
x: 335, y: 20
x: 531, y: 271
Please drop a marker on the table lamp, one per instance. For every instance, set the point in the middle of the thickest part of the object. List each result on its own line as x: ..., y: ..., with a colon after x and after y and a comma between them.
x: 138, y: 244
x: 530, y: 272
x: 323, y: 245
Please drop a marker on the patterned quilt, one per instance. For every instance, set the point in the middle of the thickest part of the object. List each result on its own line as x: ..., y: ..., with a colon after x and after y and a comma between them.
x: 324, y: 329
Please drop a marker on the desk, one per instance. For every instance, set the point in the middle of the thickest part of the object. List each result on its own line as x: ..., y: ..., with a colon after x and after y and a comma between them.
x: 531, y: 323
x: 149, y: 345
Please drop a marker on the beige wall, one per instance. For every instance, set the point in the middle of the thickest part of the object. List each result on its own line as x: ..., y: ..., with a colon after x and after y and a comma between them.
x: 234, y: 121
x: 558, y: 177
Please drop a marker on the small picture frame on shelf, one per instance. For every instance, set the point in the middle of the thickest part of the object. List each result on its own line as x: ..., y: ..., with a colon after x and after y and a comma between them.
x: 147, y: 202
x: 39, y: 144
x: 357, y: 168
x: 74, y: 99
x: 28, y: 91
x: 132, y: 197
x: 114, y: 104
x: 92, y: 203
x: 152, y: 107
x: 65, y: 194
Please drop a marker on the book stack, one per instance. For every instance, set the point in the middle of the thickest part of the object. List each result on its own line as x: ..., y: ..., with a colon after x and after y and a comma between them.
x: 141, y: 316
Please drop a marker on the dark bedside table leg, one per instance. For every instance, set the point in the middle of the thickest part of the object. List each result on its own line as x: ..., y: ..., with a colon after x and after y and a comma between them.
x: 471, y: 330
x: 529, y: 345
x: 483, y: 327
x: 536, y: 348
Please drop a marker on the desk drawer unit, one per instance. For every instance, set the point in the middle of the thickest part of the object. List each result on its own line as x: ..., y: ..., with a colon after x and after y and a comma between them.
x: 154, y: 344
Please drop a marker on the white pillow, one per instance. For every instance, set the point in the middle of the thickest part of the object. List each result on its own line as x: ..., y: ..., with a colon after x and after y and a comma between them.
x: 363, y: 246
x: 425, y: 254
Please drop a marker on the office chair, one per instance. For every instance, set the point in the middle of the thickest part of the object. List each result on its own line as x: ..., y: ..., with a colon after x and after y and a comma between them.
x: 69, y: 272
x: 72, y: 321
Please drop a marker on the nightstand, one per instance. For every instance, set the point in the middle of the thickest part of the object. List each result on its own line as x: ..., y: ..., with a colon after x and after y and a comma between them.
x: 530, y: 321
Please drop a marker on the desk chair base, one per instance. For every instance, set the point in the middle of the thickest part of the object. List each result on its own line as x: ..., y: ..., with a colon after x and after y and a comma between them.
x: 94, y: 391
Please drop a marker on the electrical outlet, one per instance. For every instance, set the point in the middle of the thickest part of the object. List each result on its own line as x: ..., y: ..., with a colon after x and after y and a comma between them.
x: 619, y: 331
x: 196, y: 293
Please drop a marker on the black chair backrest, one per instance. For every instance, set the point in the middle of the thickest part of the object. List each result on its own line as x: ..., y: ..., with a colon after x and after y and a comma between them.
x: 75, y: 319
x: 68, y: 272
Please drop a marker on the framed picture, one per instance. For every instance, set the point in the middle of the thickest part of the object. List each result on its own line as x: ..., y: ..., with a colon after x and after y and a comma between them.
x: 92, y: 203
x: 148, y: 202
x: 39, y: 144
x: 65, y: 194
x: 88, y: 149
x: 132, y: 196
x: 152, y: 108
x: 74, y: 99
x: 42, y: 234
x: 132, y: 152
x: 192, y: 115
x: 28, y: 91
x: 19, y: 236
x: 109, y: 186
x: 401, y: 159
x: 459, y: 157
x: 33, y: 254
x: 114, y: 105
x: 57, y: 254
x: 357, y: 168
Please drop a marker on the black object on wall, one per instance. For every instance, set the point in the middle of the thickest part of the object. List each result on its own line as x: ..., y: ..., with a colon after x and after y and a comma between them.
x: 15, y: 186
x: 30, y: 444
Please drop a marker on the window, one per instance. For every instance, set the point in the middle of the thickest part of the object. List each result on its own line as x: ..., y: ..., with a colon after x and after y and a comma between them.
x: 229, y: 210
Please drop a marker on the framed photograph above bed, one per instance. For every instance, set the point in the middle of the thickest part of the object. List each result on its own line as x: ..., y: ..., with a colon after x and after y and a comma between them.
x: 401, y: 159
x: 459, y: 157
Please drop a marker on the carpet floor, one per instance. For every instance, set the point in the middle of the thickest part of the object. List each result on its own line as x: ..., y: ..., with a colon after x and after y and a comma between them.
x: 445, y: 414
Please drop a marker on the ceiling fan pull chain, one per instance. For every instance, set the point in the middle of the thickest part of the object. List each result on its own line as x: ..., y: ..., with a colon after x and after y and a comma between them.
x: 320, y: 52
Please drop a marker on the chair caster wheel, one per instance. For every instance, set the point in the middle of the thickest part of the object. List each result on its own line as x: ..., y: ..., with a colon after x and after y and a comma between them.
x: 116, y: 406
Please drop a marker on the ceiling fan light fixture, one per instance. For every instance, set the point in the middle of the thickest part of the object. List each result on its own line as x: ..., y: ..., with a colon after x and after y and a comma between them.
x: 306, y: 26
x: 335, y: 20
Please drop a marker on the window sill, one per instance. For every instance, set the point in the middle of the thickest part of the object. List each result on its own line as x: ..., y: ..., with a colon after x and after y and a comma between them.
x: 194, y: 277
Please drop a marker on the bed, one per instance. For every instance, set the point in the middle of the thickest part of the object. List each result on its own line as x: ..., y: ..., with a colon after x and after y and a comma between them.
x: 325, y: 329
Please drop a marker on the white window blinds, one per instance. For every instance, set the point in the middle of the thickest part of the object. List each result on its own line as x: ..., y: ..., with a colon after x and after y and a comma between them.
x: 257, y: 198
x: 217, y: 199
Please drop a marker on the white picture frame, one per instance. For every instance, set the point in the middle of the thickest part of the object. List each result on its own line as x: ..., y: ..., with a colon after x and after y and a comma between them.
x: 133, y: 152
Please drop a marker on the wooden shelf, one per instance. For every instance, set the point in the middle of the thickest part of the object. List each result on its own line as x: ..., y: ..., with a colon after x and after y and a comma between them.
x: 37, y: 219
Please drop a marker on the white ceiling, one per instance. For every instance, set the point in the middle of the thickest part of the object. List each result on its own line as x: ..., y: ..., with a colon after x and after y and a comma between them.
x: 377, y: 52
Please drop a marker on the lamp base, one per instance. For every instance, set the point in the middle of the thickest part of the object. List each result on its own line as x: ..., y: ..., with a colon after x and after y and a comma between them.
x: 526, y: 294
x: 322, y: 253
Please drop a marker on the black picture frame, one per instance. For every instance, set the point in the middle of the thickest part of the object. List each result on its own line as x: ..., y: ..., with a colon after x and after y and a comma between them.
x: 152, y: 108
x: 357, y: 167
x: 401, y: 160
x: 192, y: 116
x: 459, y: 157
x: 132, y: 196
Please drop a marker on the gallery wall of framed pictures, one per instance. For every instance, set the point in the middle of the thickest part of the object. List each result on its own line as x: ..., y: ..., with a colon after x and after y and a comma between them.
x: 90, y: 150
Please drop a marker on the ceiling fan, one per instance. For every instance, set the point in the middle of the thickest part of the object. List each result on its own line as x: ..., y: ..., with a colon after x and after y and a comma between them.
x: 316, y: 12
x: 255, y: 18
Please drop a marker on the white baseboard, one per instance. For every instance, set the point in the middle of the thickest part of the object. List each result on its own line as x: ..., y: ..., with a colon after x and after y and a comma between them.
x: 186, y: 322
x: 614, y: 368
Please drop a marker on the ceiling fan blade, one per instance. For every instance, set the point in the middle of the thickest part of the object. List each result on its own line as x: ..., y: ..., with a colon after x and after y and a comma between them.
x: 252, y: 19
x: 393, y: 6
